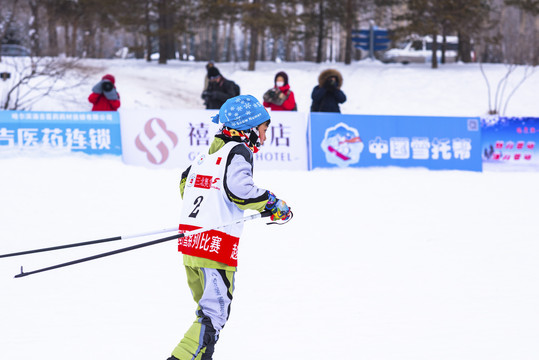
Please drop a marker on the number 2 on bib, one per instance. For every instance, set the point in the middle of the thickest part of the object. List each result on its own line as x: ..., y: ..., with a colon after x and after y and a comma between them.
x: 197, y: 203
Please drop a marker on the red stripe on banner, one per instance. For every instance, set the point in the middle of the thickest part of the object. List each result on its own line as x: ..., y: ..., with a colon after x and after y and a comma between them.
x: 212, y: 244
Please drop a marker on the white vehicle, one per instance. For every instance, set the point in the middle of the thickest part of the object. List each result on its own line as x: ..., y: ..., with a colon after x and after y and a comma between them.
x: 419, y: 50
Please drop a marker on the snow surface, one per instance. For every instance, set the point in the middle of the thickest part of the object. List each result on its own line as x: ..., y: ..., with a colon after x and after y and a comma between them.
x: 377, y: 264
x: 371, y: 87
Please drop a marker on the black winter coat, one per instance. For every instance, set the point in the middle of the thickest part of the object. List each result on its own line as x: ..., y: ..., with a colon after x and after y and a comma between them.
x: 217, y: 93
x: 327, y: 99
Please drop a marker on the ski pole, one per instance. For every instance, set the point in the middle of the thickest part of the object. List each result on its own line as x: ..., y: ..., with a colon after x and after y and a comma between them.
x: 92, y: 242
x: 149, y: 243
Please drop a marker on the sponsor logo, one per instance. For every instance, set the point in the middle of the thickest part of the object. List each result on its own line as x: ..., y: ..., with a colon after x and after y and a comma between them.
x: 191, y: 180
x: 342, y: 145
x: 203, y: 181
x: 201, y: 158
x: 156, y: 141
x: 216, y: 184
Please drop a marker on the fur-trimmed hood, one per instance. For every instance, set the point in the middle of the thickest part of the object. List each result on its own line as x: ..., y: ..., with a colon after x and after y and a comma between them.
x: 324, y: 75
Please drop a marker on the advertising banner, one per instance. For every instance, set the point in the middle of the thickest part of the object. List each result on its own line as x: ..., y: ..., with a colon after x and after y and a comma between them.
x: 510, y: 143
x: 94, y: 133
x: 371, y: 140
x: 173, y: 138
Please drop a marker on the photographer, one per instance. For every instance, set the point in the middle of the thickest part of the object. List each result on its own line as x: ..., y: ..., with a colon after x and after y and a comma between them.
x: 280, y: 97
x: 219, y: 89
x: 104, y: 96
x: 327, y: 95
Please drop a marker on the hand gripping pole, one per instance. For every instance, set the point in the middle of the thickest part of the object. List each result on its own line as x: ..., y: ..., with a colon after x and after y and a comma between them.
x: 134, y: 247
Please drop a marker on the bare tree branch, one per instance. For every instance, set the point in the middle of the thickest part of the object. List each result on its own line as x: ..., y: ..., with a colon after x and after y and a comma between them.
x: 524, y: 78
x: 35, y: 78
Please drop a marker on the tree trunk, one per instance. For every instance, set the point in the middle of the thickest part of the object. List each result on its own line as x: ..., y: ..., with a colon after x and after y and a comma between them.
x: 51, y: 29
x: 444, y: 46
x: 148, y: 31
x: 220, y: 41
x: 253, y: 48
x: 171, y: 40
x: 320, y: 32
x: 275, y: 48
x: 66, y: 39
x: 244, y: 48
x: 262, y: 46
x: 465, y: 48
x: 101, y: 45
x: 231, y: 46
x: 74, y: 30
x: 434, y: 50
x: 349, y: 23
x: 89, y: 39
x: 162, y: 29
x: 34, y: 35
x: 289, y: 45
x: 213, y: 42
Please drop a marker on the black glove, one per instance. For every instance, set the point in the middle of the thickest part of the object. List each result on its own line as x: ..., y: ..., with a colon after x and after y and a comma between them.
x: 98, y: 88
x: 331, y: 84
x: 208, y: 95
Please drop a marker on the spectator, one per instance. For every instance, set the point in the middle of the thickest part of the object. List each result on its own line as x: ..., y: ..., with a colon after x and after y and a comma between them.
x: 219, y: 89
x: 327, y: 95
x: 280, y: 97
x: 104, y: 96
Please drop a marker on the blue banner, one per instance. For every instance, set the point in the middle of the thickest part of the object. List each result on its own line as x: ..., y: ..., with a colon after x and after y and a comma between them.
x: 88, y: 132
x: 452, y: 143
x: 510, y: 142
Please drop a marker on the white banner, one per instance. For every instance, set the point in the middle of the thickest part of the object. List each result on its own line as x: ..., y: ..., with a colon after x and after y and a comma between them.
x: 173, y: 138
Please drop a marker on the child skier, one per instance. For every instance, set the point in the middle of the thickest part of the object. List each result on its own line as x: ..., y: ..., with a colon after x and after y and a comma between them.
x: 216, y: 189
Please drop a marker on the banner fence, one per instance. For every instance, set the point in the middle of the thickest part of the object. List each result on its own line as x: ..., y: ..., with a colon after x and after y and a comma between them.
x: 295, y: 141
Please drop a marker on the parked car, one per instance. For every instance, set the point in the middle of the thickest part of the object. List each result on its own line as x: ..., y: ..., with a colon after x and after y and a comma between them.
x: 419, y: 50
x: 14, y: 50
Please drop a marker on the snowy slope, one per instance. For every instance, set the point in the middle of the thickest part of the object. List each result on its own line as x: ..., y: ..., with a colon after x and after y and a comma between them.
x: 371, y: 87
x: 379, y: 263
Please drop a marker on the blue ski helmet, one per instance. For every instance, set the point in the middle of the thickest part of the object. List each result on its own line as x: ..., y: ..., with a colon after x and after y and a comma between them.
x: 242, y: 112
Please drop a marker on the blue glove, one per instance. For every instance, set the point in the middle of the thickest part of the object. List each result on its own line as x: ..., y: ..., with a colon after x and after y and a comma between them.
x: 278, y: 208
x: 98, y: 88
x: 111, y: 95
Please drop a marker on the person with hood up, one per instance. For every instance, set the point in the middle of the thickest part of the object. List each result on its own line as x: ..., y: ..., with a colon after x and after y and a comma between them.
x: 327, y: 95
x: 209, y: 203
x: 280, y: 97
x: 219, y: 89
x: 104, y: 96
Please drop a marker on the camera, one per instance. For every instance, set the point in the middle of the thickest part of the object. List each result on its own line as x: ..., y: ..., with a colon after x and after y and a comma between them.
x: 107, y: 86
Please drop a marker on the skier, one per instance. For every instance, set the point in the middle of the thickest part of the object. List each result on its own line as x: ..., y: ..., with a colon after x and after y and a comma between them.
x: 216, y: 189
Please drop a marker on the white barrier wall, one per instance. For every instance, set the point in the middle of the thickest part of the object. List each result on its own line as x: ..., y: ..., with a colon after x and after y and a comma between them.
x: 173, y: 138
